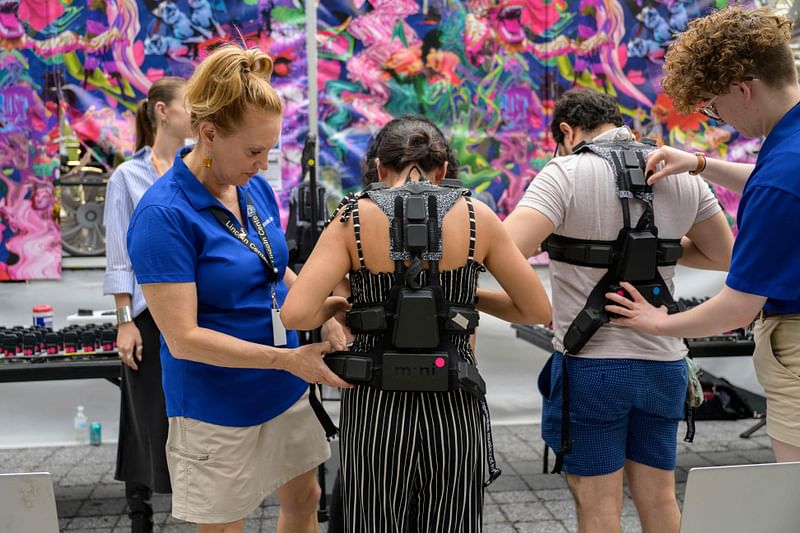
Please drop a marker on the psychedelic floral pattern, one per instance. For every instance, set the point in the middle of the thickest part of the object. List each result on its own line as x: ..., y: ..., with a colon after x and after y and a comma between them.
x: 87, y: 63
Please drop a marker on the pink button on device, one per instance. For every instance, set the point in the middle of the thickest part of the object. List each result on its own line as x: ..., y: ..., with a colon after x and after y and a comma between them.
x: 439, y: 362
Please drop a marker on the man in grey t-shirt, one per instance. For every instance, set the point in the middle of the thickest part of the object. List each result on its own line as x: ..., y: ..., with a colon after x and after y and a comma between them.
x: 627, y: 388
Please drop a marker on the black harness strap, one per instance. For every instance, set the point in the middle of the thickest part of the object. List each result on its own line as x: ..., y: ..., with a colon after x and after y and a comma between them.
x: 690, y: 426
x: 397, y: 236
x: 566, y: 444
x: 434, y: 237
x: 602, y: 254
x: 594, y: 305
x: 623, y: 191
x: 322, y: 415
x: 494, y: 472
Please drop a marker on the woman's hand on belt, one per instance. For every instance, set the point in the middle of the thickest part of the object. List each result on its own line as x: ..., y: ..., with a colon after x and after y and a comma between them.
x: 307, y: 363
x: 337, y: 334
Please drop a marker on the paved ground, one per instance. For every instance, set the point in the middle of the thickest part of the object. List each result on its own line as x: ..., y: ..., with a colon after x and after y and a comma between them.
x: 522, y: 500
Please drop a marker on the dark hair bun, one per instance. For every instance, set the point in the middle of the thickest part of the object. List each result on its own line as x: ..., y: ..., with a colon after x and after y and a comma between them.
x: 408, y: 140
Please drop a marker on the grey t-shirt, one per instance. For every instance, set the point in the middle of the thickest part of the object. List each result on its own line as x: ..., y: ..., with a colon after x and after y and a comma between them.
x: 578, y: 194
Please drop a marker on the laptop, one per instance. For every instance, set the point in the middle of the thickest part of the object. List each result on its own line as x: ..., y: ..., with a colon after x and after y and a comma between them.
x: 27, y: 503
x: 761, y: 498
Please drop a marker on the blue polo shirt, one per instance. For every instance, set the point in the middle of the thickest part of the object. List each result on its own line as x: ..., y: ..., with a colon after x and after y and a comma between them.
x: 766, y: 255
x: 173, y: 238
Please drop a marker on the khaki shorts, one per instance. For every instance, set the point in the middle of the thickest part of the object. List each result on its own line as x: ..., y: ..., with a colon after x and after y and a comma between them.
x: 222, y: 474
x: 777, y: 362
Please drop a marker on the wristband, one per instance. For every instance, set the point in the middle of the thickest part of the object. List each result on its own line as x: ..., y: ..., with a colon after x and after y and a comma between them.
x: 701, y: 164
x: 124, y: 314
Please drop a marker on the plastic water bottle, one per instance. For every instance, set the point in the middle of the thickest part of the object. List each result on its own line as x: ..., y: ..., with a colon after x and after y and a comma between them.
x: 81, y: 425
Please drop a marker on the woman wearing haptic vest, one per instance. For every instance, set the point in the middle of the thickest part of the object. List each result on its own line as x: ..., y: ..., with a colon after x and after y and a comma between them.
x: 402, y: 450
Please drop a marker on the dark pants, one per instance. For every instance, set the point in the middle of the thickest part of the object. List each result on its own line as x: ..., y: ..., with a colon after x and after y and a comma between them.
x: 143, y: 427
x: 139, y: 509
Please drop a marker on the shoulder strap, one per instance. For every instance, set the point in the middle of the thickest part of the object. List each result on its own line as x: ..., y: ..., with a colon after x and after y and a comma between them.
x: 396, y: 237
x: 357, y: 231
x: 472, y: 228
x: 344, y: 208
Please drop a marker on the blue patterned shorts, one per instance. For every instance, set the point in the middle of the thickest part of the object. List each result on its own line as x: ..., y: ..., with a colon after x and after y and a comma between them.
x: 619, y: 409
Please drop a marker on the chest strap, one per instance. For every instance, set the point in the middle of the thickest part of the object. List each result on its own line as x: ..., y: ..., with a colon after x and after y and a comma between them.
x: 603, y: 254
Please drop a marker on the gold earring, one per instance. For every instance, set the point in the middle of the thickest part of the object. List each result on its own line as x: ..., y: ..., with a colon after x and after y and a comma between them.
x: 207, y: 162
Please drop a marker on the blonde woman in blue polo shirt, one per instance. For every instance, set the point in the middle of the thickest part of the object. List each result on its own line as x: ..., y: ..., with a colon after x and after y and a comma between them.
x: 207, y: 248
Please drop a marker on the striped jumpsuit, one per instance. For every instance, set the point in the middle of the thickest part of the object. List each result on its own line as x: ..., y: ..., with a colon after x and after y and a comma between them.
x: 412, y: 456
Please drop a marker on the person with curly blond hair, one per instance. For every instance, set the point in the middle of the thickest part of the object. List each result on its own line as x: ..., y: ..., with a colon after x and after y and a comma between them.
x: 736, y: 66
x: 208, y: 250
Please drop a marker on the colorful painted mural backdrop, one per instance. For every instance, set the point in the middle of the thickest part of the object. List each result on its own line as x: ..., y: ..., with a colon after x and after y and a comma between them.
x: 489, y: 72
x: 90, y: 61
x: 486, y: 70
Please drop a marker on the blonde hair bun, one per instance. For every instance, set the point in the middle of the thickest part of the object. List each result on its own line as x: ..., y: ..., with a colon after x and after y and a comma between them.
x: 228, y: 83
x: 258, y: 63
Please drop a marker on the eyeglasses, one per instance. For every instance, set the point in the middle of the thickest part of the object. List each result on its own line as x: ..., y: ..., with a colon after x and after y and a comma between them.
x: 710, y: 110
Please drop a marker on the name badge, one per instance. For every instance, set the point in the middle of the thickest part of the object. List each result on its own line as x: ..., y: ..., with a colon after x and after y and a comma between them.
x: 278, y: 330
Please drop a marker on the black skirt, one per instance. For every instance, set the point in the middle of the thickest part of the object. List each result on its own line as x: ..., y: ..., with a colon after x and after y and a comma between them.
x: 141, y: 454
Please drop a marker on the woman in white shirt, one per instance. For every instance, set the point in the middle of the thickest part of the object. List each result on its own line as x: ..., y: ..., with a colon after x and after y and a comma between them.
x: 162, y: 125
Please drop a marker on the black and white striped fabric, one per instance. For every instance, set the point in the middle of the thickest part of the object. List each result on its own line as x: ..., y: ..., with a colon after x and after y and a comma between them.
x: 412, y: 459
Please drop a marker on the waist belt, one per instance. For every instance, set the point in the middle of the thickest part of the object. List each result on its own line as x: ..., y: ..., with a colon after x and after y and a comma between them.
x: 410, y: 372
x: 418, y: 372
